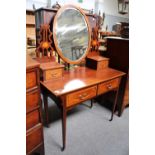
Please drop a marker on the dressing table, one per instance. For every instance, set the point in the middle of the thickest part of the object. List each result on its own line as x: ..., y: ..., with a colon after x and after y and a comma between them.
x: 79, y: 85
x: 72, y: 87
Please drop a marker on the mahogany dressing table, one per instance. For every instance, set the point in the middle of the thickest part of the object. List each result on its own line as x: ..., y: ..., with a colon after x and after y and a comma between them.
x: 72, y: 87
x: 79, y: 85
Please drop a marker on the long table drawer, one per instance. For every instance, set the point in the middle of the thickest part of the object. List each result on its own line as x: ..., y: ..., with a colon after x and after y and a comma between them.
x: 34, y: 138
x: 31, y: 79
x: 107, y: 86
x: 32, y: 99
x: 32, y: 119
x: 81, y: 95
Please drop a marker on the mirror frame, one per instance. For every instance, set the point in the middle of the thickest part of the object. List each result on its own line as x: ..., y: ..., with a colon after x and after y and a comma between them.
x: 55, y: 38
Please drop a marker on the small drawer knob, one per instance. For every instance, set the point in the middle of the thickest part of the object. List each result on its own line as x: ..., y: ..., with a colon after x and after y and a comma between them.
x: 81, y: 97
x: 109, y: 86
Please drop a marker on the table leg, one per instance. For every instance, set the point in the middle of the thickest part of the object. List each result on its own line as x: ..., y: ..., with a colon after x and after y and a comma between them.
x: 114, y: 105
x: 42, y: 152
x: 46, y: 108
x: 91, y: 103
x: 64, y: 114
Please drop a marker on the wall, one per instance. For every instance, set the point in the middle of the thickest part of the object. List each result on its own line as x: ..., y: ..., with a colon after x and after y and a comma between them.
x: 111, y: 20
x: 38, y: 4
x: 86, y: 4
x: 110, y: 8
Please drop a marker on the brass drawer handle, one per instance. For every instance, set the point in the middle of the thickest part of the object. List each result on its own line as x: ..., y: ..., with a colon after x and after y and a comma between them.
x: 109, y: 86
x: 80, y: 97
x: 83, y: 96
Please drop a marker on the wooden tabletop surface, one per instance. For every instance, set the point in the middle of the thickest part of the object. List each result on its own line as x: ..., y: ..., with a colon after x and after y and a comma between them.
x: 79, y: 78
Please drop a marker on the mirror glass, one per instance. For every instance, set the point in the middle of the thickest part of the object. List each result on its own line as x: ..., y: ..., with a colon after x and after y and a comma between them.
x: 71, y: 34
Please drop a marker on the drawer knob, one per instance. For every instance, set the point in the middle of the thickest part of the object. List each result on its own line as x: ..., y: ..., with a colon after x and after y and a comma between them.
x: 83, y: 96
x: 109, y: 86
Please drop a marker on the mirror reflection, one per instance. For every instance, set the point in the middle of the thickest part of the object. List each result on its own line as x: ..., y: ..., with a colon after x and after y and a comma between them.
x: 72, y: 34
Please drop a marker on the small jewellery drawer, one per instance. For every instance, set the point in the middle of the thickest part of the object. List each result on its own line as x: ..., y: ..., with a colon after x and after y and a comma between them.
x: 53, y: 73
x: 31, y: 79
x: 81, y: 95
x: 32, y: 100
x: 34, y: 138
x: 32, y: 119
x: 107, y: 86
x: 103, y: 64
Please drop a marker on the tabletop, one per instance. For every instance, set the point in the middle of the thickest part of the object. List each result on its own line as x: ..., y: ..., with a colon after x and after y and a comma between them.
x: 78, y: 78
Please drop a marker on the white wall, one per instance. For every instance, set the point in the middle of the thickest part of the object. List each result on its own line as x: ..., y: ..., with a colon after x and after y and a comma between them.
x: 86, y: 4
x: 110, y: 7
x: 38, y: 3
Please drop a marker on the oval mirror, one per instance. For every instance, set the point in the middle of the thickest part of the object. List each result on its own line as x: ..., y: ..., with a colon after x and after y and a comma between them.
x: 71, y: 34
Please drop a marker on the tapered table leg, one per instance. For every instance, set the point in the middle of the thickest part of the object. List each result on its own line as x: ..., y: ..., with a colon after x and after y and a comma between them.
x: 64, y: 113
x: 42, y: 152
x: 91, y: 103
x: 114, y: 105
x: 46, y: 108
